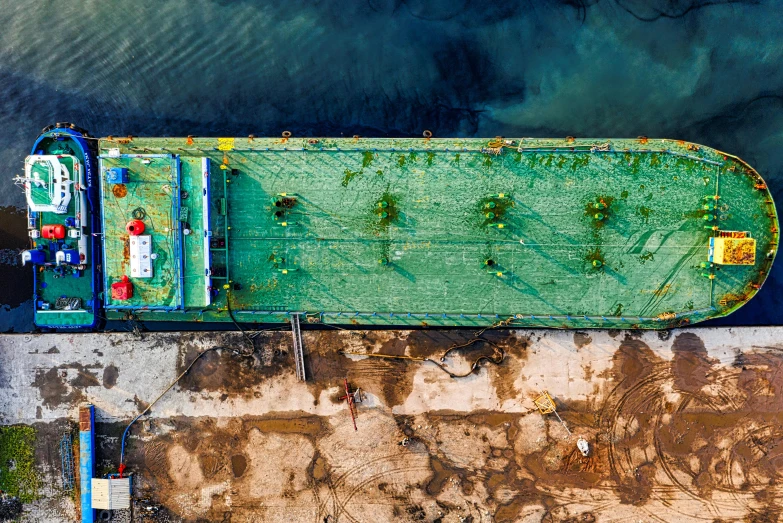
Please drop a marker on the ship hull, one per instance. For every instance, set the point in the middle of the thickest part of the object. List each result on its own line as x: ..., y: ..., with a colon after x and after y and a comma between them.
x: 522, y: 232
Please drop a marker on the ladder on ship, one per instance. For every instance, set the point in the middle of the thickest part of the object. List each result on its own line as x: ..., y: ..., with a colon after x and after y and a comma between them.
x: 296, y: 332
x: 221, y: 243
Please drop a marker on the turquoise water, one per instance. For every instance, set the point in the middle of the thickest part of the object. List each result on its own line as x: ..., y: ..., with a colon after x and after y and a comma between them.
x: 707, y: 72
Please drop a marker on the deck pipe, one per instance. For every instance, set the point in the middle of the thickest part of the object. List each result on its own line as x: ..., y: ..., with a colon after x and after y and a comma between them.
x: 86, y: 460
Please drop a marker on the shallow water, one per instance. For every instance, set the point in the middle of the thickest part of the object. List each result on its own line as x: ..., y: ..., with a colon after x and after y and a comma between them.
x: 707, y: 72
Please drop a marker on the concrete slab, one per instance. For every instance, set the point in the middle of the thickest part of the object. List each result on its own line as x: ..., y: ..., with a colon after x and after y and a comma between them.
x: 682, y: 425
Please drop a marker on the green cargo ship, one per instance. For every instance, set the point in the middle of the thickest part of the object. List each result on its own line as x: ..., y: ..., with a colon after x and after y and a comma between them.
x: 562, y: 233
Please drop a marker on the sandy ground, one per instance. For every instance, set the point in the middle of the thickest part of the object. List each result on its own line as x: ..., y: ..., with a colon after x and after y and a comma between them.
x: 683, y: 425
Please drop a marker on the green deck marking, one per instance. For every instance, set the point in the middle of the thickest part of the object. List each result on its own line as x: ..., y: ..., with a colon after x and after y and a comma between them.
x: 153, y: 194
x: 192, y: 184
x: 587, y: 233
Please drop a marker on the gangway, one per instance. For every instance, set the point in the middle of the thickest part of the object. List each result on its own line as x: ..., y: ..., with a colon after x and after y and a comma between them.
x: 298, y: 353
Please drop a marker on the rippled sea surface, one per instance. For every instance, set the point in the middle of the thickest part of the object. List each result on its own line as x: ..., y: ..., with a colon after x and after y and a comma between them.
x: 704, y: 71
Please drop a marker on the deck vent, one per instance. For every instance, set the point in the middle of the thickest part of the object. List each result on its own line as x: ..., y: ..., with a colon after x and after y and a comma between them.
x: 140, y: 259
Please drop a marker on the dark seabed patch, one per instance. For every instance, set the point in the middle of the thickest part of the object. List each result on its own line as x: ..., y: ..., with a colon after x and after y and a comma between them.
x: 224, y: 368
x: 319, y: 468
x: 110, y: 374
x: 84, y: 377
x: 53, y: 388
x: 582, y: 339
x: 238, y: 465
x: 141, y: 405
x: 504, y: 376
x: 64, y: 383
x: 690, y: 364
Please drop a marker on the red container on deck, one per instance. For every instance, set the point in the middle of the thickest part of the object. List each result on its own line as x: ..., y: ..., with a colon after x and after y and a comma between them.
x: 53, y: 232
x: 122, y: 290
x: 135, y: 227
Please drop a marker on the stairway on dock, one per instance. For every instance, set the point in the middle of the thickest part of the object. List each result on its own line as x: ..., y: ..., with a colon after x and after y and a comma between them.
x: 296, y: 332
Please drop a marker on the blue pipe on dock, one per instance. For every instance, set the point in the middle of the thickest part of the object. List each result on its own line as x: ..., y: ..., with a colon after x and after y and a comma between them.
x: 86, y: 460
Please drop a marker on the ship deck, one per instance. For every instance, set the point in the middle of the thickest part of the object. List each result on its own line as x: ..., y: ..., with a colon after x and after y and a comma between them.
x: 282, y: 226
